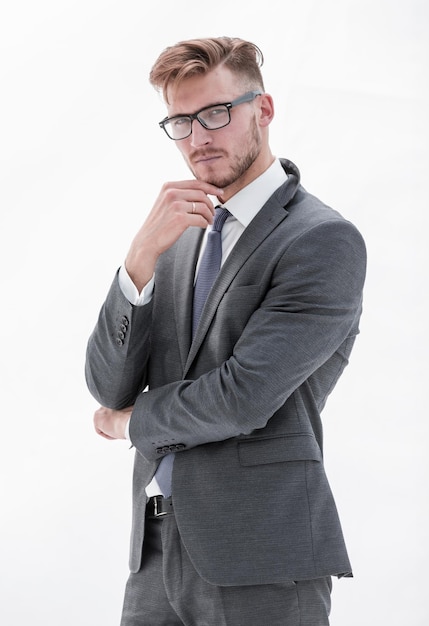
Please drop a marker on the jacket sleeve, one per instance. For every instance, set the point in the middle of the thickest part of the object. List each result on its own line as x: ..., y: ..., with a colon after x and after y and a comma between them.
x: 311, y: 307
x: 118, y: 351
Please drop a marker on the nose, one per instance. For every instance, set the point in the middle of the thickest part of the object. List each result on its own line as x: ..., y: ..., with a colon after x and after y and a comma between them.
x: 200, y: 136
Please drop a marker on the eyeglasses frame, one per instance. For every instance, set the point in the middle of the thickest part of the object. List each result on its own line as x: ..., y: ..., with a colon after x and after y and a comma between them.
x: 249, y: 96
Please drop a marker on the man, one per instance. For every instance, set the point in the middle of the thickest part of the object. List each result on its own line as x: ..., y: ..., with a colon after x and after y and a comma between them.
x: 219, y: 386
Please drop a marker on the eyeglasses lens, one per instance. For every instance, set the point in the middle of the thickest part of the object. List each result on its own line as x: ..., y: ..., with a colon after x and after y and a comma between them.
x: 211, y: 118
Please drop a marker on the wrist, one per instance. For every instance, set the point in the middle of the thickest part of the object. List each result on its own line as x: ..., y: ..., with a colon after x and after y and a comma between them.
x: 140, y: 269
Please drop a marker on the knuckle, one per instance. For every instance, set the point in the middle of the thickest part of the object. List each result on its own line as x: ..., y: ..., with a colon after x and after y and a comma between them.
x: 169, y: 194
x: 176, y: 205
x: 167, y: 185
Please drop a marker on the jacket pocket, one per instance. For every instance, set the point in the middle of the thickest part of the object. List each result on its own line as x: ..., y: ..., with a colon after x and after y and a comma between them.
x: 279, y: 450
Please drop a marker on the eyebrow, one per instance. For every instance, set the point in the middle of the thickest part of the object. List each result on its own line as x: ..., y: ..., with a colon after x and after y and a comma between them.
x: 208, y: 106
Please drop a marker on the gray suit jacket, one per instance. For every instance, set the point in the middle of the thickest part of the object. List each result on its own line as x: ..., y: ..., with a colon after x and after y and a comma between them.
x: 240, y: 404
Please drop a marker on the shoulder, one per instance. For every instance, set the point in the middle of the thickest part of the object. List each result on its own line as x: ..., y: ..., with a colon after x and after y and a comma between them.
x: 303, y: 209
x: 306, y: 213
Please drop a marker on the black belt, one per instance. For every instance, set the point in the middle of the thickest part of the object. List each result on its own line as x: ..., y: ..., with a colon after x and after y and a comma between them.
x: 158, y: 506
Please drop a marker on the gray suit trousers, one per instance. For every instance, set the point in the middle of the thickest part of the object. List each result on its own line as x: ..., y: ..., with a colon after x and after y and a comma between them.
x: 167, y: 591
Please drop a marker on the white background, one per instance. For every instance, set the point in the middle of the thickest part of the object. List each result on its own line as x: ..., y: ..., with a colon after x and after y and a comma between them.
x: 82, y: 160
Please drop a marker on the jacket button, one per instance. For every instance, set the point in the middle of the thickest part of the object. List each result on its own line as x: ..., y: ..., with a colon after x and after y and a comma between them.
x: 124, y: 320
x: 163, y: 450
x: 119, y: 341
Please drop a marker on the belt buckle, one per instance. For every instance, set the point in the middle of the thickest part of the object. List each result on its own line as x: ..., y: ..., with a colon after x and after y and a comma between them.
x: 157, y: 507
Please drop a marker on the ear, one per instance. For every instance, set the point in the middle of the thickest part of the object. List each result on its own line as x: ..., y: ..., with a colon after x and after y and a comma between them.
x: 266, y: 109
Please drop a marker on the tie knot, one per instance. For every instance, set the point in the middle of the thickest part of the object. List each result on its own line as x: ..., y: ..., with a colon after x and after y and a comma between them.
x: 221, y: 215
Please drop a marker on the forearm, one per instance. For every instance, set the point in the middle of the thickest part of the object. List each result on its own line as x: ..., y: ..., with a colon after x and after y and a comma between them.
x: 118, y: 348
x: 307, y: 321
x: 234, y: 399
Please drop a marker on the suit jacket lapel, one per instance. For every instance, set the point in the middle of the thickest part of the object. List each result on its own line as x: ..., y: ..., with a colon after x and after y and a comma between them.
x: 186, y: 258
x: 268, y: 218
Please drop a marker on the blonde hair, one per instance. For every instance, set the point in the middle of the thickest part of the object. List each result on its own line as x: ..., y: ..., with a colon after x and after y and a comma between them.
x: 199, y: 56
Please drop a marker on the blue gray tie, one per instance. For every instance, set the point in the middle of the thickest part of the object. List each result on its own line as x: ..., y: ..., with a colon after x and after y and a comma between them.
x: 209, y: 266
x: 209, y: 269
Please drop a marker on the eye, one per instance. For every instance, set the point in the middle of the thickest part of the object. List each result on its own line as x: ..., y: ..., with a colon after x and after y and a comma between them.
x: 215, y: 112
x: 179, y: 121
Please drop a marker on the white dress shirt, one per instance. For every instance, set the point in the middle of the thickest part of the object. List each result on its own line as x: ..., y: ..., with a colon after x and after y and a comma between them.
x: 243, y: 208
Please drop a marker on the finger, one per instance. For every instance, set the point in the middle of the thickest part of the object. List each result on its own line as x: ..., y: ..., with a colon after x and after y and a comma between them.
x: 103, y: 434
x: 173, y: 195
x: 200, y: 210
x: 200, y: 203
x: 195, y: 185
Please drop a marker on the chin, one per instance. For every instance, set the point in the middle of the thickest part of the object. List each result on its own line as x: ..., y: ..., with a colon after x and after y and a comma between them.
x: 208, y: 174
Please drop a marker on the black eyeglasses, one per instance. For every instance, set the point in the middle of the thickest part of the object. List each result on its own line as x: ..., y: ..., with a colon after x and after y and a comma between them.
x: 212, y: 117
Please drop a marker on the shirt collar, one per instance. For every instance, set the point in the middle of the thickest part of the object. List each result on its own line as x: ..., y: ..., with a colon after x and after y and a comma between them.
x: 246, y: 203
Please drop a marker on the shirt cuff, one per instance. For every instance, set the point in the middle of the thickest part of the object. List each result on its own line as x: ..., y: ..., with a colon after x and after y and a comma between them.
x: 127, y: 430
x: 129, y: 289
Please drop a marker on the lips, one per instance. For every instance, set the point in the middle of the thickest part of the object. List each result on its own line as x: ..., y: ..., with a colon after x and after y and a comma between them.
x: 205, y: 158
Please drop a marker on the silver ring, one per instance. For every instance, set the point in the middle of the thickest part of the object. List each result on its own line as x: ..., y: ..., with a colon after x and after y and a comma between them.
x: 193, y: 207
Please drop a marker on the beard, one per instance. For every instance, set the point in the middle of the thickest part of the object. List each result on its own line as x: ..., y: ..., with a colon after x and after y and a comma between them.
x: 241, y: 161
